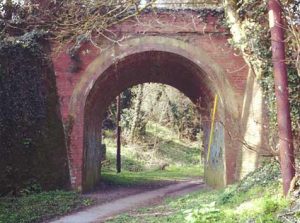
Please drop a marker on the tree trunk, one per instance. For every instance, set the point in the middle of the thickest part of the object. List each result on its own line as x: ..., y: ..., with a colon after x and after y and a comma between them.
x: 286, y: 150
x: 137, y: 112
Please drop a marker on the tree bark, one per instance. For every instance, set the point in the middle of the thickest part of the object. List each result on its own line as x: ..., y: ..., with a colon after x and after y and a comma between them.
x: 137, y: 111
x: 286, y: 150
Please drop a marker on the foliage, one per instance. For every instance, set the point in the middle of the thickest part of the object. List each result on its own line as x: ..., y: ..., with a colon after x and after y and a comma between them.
x: 38, y: 207
x: 249, y: 26
x: 109, y: 122
x: 146, y: 162
x: 31, y: 133
x: 159, y: 147
x: 200, y: 207
x: 254, y: 203
x: 206, y: 213
x: 262, y: 176
x: 69, y: 20
x: 168, y: 106
x: 161, y: 104
x: 156, y: 159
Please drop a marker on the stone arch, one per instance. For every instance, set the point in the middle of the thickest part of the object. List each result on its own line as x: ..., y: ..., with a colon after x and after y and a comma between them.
x: 139, y: 60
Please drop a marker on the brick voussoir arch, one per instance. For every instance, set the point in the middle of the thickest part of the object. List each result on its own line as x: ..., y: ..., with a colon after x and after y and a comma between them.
x: 214, y: 78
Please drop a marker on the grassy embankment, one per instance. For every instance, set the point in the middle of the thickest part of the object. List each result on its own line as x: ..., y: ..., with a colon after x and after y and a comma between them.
x: 257, y: 198
x: 141, y: 165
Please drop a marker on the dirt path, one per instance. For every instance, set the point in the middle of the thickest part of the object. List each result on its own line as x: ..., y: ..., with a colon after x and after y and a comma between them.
x: 100, y: 212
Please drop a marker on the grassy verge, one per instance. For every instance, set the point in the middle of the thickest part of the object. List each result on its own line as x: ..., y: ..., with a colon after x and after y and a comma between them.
x: 128, y: 178
x: 202, y: 207
x: 141, y: 164
x: 40, y: 206
x: 257, y: 198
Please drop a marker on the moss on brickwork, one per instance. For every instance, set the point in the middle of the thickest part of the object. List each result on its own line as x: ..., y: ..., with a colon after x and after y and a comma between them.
x: 32, y: 147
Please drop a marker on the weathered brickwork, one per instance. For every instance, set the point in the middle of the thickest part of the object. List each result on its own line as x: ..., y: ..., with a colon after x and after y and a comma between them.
x: 179, y: 49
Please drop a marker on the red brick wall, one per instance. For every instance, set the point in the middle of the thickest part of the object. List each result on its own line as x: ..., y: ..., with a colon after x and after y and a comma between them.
x: 208, y: 37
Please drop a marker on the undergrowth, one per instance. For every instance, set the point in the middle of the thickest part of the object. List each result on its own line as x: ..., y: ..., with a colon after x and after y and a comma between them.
x: 257, y: 198
x: 37, y: 207
x: 160, y: 156
x: 141, y: 164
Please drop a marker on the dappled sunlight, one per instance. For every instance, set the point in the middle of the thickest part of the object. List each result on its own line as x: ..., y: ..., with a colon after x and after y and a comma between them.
x: 156, y: 149
x: 160, y: 138
x: 189, y: 108
x: 170, y: 159
x: 252, y: 199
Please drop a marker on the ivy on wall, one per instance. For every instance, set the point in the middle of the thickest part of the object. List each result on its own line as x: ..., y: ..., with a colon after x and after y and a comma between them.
x: 248, y: 21
x: 32, y: 148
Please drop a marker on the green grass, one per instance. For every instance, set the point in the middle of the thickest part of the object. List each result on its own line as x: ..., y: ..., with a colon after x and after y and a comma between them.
x: 157, y: 147
x: 128, y: 178
x: 140, y: 165
x: 142, y: 162
x: 258, y: 205
x: 40, y: 206
x: 257, y: 198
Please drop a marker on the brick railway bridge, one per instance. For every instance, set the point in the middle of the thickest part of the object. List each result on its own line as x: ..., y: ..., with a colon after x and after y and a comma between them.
x: 183, y: 50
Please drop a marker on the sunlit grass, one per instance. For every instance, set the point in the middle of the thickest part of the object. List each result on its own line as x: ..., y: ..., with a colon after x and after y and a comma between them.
x: 151, y: 176
x: 160, y: 156
x: 256, y: 198
x: 203, y: 207
x: 159, y: 145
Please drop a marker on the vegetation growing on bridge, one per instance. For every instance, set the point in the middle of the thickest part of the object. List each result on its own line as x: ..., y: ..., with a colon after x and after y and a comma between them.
x: 30, y: 128
x: 32, y: 149
x: 248, y: 21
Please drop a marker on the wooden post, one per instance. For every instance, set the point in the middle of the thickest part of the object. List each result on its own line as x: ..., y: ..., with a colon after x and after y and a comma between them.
x: 118, y: 163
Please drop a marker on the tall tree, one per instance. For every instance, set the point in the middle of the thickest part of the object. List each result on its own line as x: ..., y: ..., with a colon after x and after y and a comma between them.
x: 137, y: 112
x: 286, y: 148
x: 251, y: 35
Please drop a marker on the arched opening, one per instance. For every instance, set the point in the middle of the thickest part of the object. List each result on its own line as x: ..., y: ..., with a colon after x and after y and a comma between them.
x: 149, y: 66
x: 157, y: 131
x: 150, y: 59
